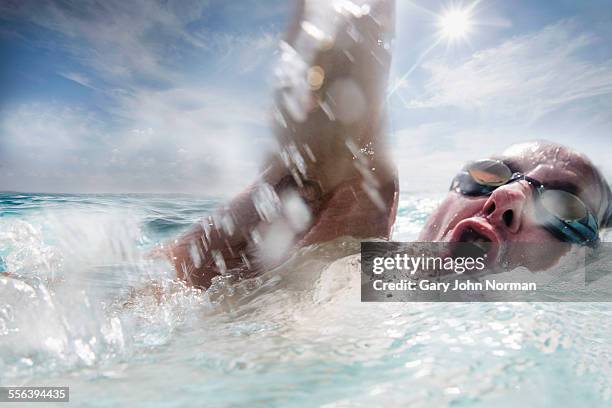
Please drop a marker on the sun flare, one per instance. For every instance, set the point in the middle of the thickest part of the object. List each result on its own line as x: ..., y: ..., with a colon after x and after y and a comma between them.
x: 455, y: 24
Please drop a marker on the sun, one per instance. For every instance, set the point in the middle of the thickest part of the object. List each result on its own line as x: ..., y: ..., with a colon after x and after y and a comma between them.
x: 456, y: 21
x: 455, y: 24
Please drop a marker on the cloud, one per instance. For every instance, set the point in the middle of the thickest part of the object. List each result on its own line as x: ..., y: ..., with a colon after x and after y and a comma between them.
x: 177, y: 141
x: 114, y: 38
x: 527, y: 76
x: 182, y: 105
x: 141, y: 42
x: 429, y: 155
x: 166, y: 114
x: 246, y: 52
x: 42, y: 143
x: 78, y: 78
x: 551, y: 84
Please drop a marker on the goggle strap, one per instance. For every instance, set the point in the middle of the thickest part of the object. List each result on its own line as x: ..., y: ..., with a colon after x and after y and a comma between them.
x: 564, y: 232
x: 583, y: 230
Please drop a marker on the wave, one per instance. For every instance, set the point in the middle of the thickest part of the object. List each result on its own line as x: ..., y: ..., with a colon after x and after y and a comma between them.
x: 85, y: 307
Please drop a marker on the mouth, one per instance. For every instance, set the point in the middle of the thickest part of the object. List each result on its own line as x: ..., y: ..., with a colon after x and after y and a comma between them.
x: 475, y: 238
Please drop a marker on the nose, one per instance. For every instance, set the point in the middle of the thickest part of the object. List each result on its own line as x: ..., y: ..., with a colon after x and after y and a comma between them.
x: 505, y: 206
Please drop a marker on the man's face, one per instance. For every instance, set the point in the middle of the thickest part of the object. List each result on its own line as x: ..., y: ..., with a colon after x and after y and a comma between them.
x: 508, y: 214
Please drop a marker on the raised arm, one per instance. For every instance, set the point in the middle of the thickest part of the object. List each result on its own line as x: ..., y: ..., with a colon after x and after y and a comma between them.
x: 331, y: 176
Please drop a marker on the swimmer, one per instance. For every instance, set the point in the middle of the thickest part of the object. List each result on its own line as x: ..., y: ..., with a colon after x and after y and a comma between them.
x: 536, y: 192
x: 332, y: 176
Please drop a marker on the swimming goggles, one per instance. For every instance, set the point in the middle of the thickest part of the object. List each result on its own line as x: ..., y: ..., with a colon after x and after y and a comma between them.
x: 562, y: 213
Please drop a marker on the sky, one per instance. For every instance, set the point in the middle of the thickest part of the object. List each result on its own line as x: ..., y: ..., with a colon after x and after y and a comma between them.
x: 174, y: 96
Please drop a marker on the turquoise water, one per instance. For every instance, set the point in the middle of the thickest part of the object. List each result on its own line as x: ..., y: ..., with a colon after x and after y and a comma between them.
x: 85, y: 308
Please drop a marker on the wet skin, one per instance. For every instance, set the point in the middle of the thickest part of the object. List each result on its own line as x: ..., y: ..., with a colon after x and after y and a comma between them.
x: 508, y: 214
x: 346, y: 179
x: 349, y: 183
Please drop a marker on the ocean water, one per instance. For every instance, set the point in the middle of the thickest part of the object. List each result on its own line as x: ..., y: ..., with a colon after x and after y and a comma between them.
x: 85, y: 308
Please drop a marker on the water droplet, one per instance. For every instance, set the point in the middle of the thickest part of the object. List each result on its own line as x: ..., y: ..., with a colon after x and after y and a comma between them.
x: 292, y: 84
x: 309, y: 153
x: 296, y: 211
x: 227, y: 223
x: 315, y: 32
x: 374, y: 196
x: 195, y: 255
x: 278, y: 116
x: 347, y: 7
x: 245, y: 260
x: 277, y: 241
x: 266, y: 202
x: 219, y: 261
x: 296, y: 158
x: 347, y: 100
x: 327, y: 110
x: 316, y: 77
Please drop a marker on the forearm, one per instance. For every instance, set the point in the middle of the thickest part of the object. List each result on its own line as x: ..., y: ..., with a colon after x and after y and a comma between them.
x: 329, y: 104
x: 216, y: 244
x: 331, y: 92
x: 229, y: 240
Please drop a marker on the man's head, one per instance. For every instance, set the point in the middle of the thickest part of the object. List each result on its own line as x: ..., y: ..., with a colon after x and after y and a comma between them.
x: 510, y: 213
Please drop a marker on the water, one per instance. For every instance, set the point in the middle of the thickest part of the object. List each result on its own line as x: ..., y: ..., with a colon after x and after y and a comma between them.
x: 89, y: 310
